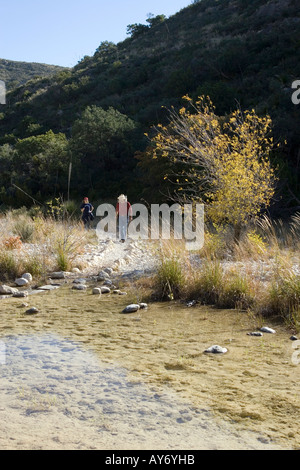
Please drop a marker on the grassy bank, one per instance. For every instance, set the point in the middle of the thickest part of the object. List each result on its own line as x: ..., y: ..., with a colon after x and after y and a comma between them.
x: 260, y: 274
x: 39, y: 243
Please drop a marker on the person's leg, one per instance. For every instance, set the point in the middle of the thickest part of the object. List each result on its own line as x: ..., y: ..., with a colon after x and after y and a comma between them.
x: 123, y: 227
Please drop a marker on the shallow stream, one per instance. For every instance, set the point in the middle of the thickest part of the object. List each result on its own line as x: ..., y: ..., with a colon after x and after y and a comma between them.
x: 82, y: 375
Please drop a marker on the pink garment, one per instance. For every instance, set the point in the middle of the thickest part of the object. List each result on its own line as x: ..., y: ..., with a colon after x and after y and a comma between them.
x: 124, y: 208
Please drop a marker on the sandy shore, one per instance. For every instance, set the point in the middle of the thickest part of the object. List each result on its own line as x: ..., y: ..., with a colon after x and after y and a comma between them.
x: 56, y: 395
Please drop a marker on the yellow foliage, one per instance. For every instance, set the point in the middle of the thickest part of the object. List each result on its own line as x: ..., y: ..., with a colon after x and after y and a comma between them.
x: 226, y: 163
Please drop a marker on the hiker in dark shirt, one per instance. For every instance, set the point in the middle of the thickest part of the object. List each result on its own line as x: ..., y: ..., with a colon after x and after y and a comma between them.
x: 87, y: 212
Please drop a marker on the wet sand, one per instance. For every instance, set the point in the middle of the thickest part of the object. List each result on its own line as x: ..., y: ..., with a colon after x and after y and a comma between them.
x: 80, y: 375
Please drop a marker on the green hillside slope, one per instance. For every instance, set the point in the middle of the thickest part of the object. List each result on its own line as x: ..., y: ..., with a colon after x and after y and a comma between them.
x: 15, y: 73
x: 235, y: 51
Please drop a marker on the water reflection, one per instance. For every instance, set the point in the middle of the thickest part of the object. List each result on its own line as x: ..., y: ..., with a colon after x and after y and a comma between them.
x: 45, y: 373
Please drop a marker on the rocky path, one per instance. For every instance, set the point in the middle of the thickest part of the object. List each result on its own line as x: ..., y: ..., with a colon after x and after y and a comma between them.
x: 129, y: 258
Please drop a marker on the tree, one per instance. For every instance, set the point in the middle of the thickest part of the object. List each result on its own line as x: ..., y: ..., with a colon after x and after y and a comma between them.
x: 136, y: 29
x: 155, y: 20
x: 223, y: 162
x: 100, y: 142
x: 41, y: 163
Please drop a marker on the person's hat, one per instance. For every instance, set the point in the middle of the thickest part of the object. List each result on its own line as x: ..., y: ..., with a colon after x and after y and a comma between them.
x: 122, y: 197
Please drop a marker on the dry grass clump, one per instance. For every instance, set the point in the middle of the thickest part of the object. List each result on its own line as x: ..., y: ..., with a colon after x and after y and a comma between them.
x: 67, y: 243
x: 271, y: 246
x: 54, y: 243
x: 169, y: 280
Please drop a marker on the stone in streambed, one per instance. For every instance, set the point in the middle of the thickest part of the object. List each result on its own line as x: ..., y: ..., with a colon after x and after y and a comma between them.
x: 7, y: 290
x: 266, y: 329
x: 32, y: 311
x: 216, y: 349
x: 79, y: 287
x: 21, y: 282
x: 131, y: 308
x: 48, y: 287
x: 105, y: 290
x: 58, y: 275
x: 21, y: 294
x: 27, y: 276
x: 97, y: 291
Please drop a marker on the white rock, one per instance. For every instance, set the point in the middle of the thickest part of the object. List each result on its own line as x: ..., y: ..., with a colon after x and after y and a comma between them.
x: 27, y: 276
x: 266, y: 329
x: 21, y: 282
x: 105, y: 290
x: 7, y: 290
x: 216, y: 350
x: 76, y: 270
x: 48, y: 287
x: 97, y: 291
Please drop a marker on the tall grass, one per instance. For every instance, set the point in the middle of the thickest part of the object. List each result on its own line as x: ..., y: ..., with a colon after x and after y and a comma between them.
x: 68, y: 243
x: 169, y: 279
x: 263, y: 274
x: 10, y: 267
x: 58, y: 243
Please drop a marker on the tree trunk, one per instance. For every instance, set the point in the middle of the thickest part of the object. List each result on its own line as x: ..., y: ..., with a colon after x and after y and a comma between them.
x: 237, y: 232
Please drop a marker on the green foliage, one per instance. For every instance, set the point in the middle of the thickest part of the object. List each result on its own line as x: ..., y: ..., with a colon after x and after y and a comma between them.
x: 17, y: 73
x: 101, y: 144
x: 231, y: 50
x: 35, y: 163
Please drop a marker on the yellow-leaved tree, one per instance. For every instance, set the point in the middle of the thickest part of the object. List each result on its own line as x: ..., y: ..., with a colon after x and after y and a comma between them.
x: 222, y: 161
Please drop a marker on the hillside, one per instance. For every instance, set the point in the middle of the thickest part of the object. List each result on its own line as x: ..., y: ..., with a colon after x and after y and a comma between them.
x: 244, y: 51
x: 15, y: 73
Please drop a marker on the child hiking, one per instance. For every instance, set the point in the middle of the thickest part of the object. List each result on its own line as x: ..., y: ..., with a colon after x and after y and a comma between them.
x: 87, y: 212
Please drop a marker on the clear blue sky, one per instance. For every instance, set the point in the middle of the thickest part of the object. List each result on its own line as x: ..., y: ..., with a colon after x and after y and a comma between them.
x: 61, y: 32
